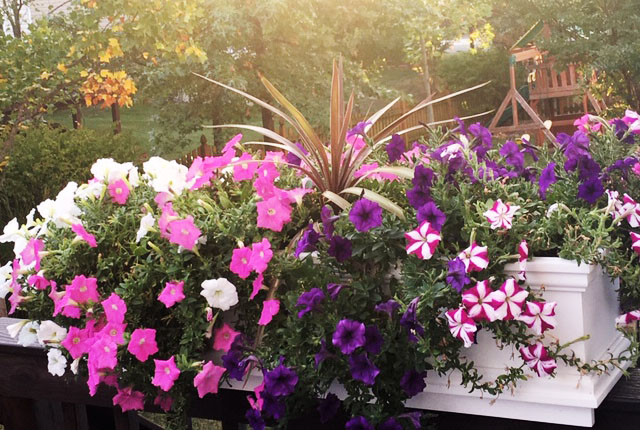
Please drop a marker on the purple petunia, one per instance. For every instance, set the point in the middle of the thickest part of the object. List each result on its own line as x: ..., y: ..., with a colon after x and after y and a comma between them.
x: 461, y: 129
x: 481, y: 132
x: 588, y: 168
x: 621, y: 129
x: 430, y: 212
x: 422, y: 176
x: 413, y: 417
x: 328, y: 219
x: 591, y: 190
x: 234, y: 361
x: 362, y: 369
x: 418, y: 196
x: 512, y: 154
x: 280, y: 381
x: 359, y: 128
x: 310, y: 300
x: 457, y: 274
x: 358, y: 423
x: 388, y: 307
x: 293, y: 158
x: 328, y: 407
x: 395, y: 148
x: 334, y: 290
x: 308, y: 241
x: 273, y: 406
x: 390, y: 424
x: 323, y: 354
x: 365, y: 215
x: 547, y: 178
x: 412, y: 382
x: 349, y: 336
x: 340, y: 248
x: 254, y: 419
x: 409, y: 321
x: 373, y: 340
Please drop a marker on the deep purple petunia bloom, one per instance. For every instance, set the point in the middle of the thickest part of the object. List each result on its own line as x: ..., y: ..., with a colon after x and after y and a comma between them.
x: 254, y: 419
x: 273, y: 406
x: 409, y: 321
x: 412, y: 382
x: 340, y: 248
x: 328, y: 219
x: 280, y: 381
x: 457, y: 274
x: 390, y: 424
x: 334, y: 290
x: 292, y: 158
x: 310, y: 300
x: 234, y: 361
x: 422, y: 177
x: 461, y: 127
x: 430, y: 212
x: 418, y: 196
x: 621, y: 128
x: 547, y: 178
x: 373, y: 340
x: 323, y: 354
x: 358, y: 423
x: 481, y: 132
x: 365, y: 215
x: 328, y: 407
x: 389, y: 307
x: 512, y: 154
x: 349, y: 336
x: 362, y: 369
x: 396, y: 148
x: 359, y: 128
x: 308, y: 241
x: 591, y: 190
x: 588, y: 168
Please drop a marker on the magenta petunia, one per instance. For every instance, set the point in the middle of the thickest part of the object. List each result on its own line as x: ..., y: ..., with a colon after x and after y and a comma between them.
x: 475, y: 258
x: 230, y: 145
x: 184, y: 232
x: 508, y: 300
x: 163, y: 401
x: 83, y: 289
x: 273, y: 213
x: 119, y: 191
x: 477, y: 302
x: 166, y: 373
x: 143, y: 343
x: 635, y: 242
x: 129, y: 400
x: 103, y: 353
x: 168, y: 215
x: 538, y: 359
x: 114, y: 308
x: 208, y: 379
x: 245, y: 169
x: 77, y: 341
x: 423, y: 241
x: 523, y: 254
x: 501, y: 215
x: 38, y: 282
x: 31, y: 252
x: 84, y: 235
x: 199, y: 171
x: 539, y: 316
x: 115, y: 331
x: 172, y: 293
x: 241, y: 262
x: 257, y: 286
x: 461, y: 326
x: 269, y: 309
x: 224, y: 337
x: 261, y: 254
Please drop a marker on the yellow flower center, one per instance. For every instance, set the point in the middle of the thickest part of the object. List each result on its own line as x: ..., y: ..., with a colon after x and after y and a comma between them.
x: 167, y: 370
x: 76, y: 340
x: 185, y: 232
x: 271, y: 211
x: 83, y: 289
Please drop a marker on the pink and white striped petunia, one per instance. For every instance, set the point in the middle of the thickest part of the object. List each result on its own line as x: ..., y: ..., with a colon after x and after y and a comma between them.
x: 423, y: 241
x: 508, y: 300
x: 538, y: 359
x: 539, y: 316
x: 632, y: 209
x: 629, y: 317
x: 635, y: 242
x: 461, y: 326
x: 523, y: 251
x: 501, y: 215
x: 477, y: 302
x: 475, y: 258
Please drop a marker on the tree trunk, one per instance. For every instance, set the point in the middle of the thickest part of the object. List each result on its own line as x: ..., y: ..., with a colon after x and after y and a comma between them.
x: 427, y: 78
x: 77, y: 118
x: 115, y: 116
x: 267, y: 122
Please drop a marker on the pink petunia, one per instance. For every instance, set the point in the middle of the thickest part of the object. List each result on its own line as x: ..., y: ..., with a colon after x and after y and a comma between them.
x: 143, y: 343
x: 166, y: 373
x: 172, y: 293
x: 257, y: 286
x: 84, y: 235
x: 523, y: 252
x: 119, y: 191
x: 168, y: 215
x: 501, y: 215
x: 629, y: 317
x: 232, y: 143
x: 163, y: 401
x: 224, y: 337
x: 273, y: 214
x: 423, y: 241
x: 83, y: 289
x: 475, y: 258
x: 245, y: 169
x: 296, y: 194
x: 461, y: 326
x: 208, y: 379
x: 264, y: 188
x: 184, y: 233
x: 635, y: 242
x: 241, y: 262
x: 200, y: 172
x: 477, y: 302
x: 508, y: 300
x: 585, y: 124
x: 269, y: 309
x: 39, y: 282
x: 103, y: 353
x: 539, y: 316
x: 366, y: 169
x: 538, y: 359
x: 632, y: 209
x: 114, y: 308
x: 268, y: 171
x: 162, y: 198
x: 77, y: 341
x: 31, y: 252
x: 129, y: 400
x: 115, y: 331
x: 261, y: 255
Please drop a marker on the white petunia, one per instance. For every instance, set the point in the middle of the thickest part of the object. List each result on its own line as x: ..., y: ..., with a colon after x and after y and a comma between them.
x: 57, y: 362
x: 146, y: 223
x: 5, y: 279
x: 166, y: 176
x: 29, y: 334
x: 50, y: 332
x: 220, y: 293
x: 14, y: 329
x: 74, y: 366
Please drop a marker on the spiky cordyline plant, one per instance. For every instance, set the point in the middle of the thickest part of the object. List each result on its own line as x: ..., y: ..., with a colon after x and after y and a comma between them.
x: 331, y: 167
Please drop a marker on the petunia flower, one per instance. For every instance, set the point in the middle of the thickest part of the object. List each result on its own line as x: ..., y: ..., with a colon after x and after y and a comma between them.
x: 57, y: 363
x: 172, y: 293
x: 501, y: 215
x: 224, y: 337
x: 334, y: 289
x: 358, y: 423
x: 373, y: 340
x: 389, y: 307
x: 308, y: 241
x: 184, y: 233
x: 423, y: 241
x: 591, y: 190
x: 539, y: 316
x: 359, y: 129
x: 115, y: 331
x: 538, y: 359
x: 628, y: 317
x: 477, y: 302
x: 340, y: 248
x: 310, y: 300
x: 163, y: 401
x: 103, y: 353
x: 166, y: 373
x: 390, y: 424
x: 77, y: 341
x: 146, y: 224
x: 430, y: 212
x: 83, y: 289
x: 365, y: 215
x: 208, y: 380
x: 114, y: 308
x: 38, y: 282
x: 257, y: 285
x: 409, y: 320
x: 348, y: 336
x: 418, y: 196
x: 119, y: 191
x: 84, y: 235
x: 245, y: 169
x: 220, y: 293
x: 273, y: 213
x: 261, y: 255
x: 241, y: 262
x: 457, y: 274
x: 395, y: 148
x: 523, y: 253
x: 269, y: 309
x: 475, y: 258
x: 508, y: 300
x: 461, y: 326
x: 143, y: 343
x: 630, y: 207
x: 362, y: 369
x: 50, y: 333
x: 31, y: 253
x: 412, y: 382
x: 280, y: 381
x: 129, y: 400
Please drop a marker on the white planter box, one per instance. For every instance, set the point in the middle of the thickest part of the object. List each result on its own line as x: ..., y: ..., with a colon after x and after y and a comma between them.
x: 587, y: 304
